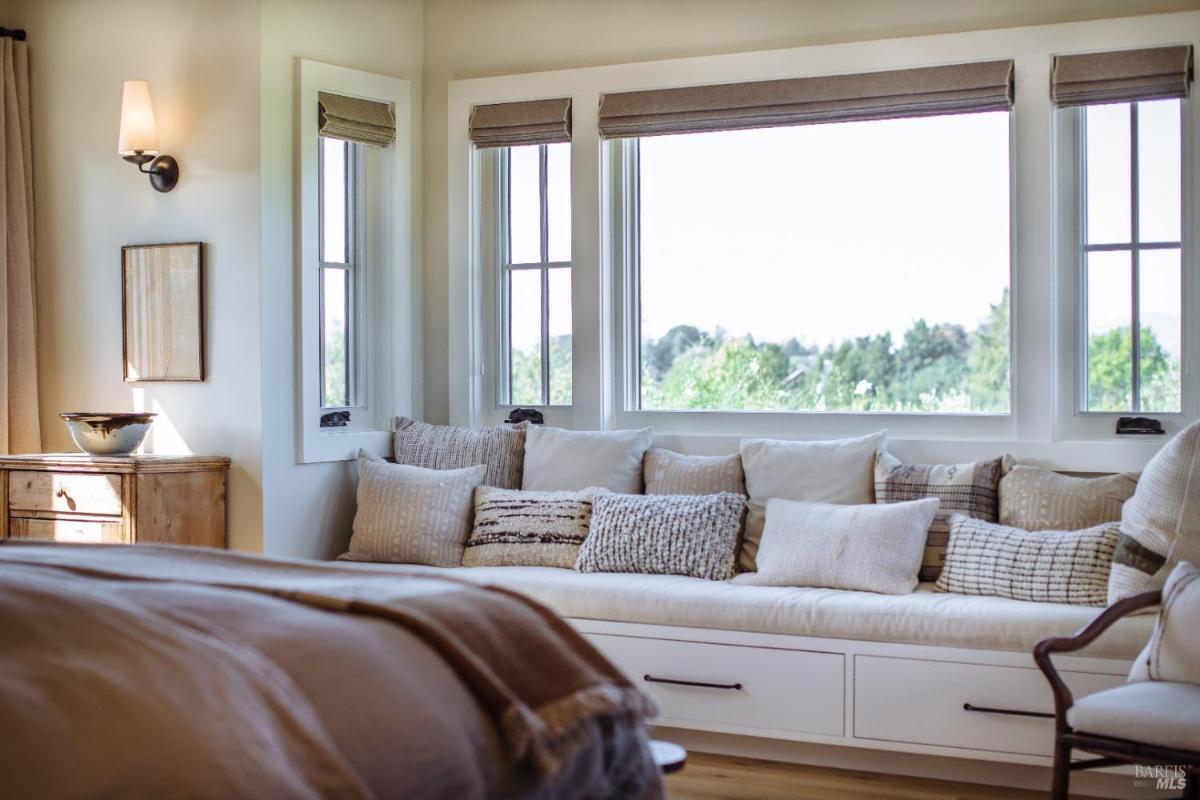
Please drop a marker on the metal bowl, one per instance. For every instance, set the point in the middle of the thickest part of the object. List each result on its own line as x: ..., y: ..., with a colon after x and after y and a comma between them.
x: 102, y: 434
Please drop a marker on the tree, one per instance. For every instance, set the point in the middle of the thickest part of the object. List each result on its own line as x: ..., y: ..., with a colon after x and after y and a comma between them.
x: 989, y: 360
x: 1110, y: 372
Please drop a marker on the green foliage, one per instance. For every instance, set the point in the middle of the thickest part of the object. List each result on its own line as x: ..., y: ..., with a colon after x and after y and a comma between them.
x: 526, y: 376
x: 1110, y: 373
x: 335, y: 369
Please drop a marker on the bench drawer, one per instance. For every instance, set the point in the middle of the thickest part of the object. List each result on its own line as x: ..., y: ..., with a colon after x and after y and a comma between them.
x: 922, y: 702
x: 78, y: 531
x: 746, y: 687
x: 64, y: 492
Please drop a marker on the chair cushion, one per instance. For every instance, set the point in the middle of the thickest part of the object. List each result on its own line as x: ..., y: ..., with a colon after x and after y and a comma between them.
x: 1159, y: 713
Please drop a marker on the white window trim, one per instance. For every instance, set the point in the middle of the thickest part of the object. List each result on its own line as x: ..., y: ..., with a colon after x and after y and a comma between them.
x: 1035, y: 428
x: 390, y: 342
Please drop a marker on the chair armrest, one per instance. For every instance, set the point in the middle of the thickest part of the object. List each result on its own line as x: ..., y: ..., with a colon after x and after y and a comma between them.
x: 1082, y: 638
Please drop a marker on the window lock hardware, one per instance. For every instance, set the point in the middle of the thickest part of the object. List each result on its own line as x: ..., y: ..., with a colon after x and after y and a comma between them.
x: 335, y: 419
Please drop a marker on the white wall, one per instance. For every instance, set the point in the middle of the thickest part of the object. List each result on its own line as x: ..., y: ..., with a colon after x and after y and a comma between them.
x: 307, y: 508
x: 201, y: 59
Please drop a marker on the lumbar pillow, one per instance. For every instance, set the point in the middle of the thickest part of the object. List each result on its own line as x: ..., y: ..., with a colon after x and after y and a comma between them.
x: 668, y: 472
x: 1160, y: 524
x: 963, y: 489
x: 663, y: 534
x: 1038, y: 499
x: 500, y: 449
x: 984, y: 558
x: 870, y: 548
x: 562, y: 460
x: 411, y: 514
x: 1173, y: 653
x: 837, y: 471
x: 532, y: 529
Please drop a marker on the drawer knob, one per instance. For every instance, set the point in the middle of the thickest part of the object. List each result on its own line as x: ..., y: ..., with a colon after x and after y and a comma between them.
x: 701, y: 684
x: 1011, y: 712
x: 62, y: 495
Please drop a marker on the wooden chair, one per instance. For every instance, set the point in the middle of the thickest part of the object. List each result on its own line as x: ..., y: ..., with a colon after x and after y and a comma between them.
x: 1110, y: 749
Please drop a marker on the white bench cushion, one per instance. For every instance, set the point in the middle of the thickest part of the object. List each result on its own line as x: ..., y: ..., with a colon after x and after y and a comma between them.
x: 923, y: 617
x: 1152, y: 712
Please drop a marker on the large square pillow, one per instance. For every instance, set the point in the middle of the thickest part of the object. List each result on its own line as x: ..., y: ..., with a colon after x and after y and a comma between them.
x: 1160, y: 524
x: 500, y: 449
x: 668, y: 472
x: 1038, y: 499
x: 869, y: 548
x: 558, y: 460
x: 1173, y: 652
x: 531, y: 529
x: 836, y: 471
x: 962, y: 489
x: 412, y: 515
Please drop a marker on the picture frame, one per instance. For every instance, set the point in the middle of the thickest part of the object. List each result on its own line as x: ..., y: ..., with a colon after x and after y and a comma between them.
x: 162, y: 312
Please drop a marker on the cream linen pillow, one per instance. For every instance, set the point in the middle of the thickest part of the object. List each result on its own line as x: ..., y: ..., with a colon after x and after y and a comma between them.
x: 413, y: 515
x: 871, y: 548
x: 668, y: 472
x: 558, y: 460
x: 1173, y: 653
x: 1038, y: 499
x: 838, y: 471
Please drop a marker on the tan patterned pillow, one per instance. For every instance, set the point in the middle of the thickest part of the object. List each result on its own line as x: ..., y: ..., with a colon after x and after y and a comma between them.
x: 531, y: 529
x: 412, y: 515
x: 1038, y: 499
x: 668, y: 472
x: 501, y: 449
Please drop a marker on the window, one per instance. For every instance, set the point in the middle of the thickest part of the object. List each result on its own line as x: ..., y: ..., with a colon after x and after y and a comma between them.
x: 1131, y: 270
x: 852, y: 267
x: 341, y: 247
x: 535, y: 281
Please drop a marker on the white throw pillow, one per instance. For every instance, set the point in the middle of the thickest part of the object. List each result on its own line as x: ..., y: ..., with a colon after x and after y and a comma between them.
x: 413, y: 515
x: 558, y: 460
x: 871, y: 548
x: 1173, y: 653
x: 840, y: 471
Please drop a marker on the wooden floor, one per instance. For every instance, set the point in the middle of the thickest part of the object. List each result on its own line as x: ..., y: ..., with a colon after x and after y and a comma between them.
x: 713, y: 777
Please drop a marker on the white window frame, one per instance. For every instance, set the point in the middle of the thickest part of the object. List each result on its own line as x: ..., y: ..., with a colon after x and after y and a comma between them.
x: 1034, y: 430
x: 357, y: 298
x: 384, y: 286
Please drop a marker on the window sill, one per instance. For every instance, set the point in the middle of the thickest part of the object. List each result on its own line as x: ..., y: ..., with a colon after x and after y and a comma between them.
x: 322, y: 446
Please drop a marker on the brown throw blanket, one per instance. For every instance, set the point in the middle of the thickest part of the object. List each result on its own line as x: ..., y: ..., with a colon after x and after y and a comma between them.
x: 544, y: 686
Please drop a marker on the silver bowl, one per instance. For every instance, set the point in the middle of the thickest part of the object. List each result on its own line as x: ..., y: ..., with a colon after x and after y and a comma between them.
x: 101, y: 434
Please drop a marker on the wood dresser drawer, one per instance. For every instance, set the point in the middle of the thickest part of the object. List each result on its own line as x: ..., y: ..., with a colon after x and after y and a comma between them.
x: 64, y: 492
x: 749, y: 687
x: 922, y: 702
x: 79, y: 531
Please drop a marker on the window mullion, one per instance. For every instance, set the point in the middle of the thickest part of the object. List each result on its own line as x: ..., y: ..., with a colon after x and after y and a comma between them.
x: 544, y: 222
x: 1135, y: 272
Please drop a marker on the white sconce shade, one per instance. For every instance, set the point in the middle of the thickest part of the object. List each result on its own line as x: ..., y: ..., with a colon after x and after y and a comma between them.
x: 138, y: 133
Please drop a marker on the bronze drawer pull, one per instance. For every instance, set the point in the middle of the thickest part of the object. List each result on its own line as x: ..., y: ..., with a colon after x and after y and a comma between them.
x: 701, y: 684
x: 62, y: 495
x: 1008, y: 711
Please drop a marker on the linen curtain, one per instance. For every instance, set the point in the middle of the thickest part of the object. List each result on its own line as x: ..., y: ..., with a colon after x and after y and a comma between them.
x: 20, y: 431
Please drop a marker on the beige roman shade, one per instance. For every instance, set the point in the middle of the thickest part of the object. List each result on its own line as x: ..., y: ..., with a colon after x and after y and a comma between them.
x: 525, y: 122
x: 1121, y: 76
x: 356, y: 120
x: 923, y: 91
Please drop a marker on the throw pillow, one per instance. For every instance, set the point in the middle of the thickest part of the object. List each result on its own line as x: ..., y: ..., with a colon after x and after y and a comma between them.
x: 668, y: 472
x: 963, y: 489
x: 501, y: 449
x: 413, y: 515
x: 837, y: 471
x: 1173, y: 653
x: 984, y: 558
x: 562, y: 460
x: 869, y: 548
x: 663, y: 534
x: 1160, y: 524
x: 1038, y: 499
x: 532, y: 529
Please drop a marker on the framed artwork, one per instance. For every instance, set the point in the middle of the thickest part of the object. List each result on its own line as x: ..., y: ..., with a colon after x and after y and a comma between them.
x: 162, y: 304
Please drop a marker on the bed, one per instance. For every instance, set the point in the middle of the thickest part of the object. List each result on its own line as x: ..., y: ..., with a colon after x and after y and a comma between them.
x: 159, y: 671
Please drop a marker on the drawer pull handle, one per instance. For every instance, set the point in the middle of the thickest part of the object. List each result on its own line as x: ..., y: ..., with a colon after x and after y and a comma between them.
x: 702, y: 684
x: 62, y: 495
x: 1007, y: 711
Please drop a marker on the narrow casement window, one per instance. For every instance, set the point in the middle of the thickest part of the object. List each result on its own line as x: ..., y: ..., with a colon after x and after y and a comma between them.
x: 340, y: 246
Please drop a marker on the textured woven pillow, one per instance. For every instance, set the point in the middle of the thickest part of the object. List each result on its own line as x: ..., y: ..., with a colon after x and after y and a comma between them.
x: 558, y: 460
x: 1160, y: 524
x: 501, y: 449
x: 1038, y: 499
x: 668, y: 472
x: 968, y: 489
x: 411, y: 514
x: 532, y: 529
x: 663, y: 534
x: 1044, y: 566
x: 1173, y: 653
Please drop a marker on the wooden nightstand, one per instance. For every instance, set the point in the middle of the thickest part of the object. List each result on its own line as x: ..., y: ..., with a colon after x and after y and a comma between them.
x: 121, y: 500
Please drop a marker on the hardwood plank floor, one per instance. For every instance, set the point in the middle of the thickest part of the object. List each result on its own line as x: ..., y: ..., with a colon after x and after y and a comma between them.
x: 715, y: 777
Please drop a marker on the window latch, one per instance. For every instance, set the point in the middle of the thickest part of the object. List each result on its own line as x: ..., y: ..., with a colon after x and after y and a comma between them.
x: 335, y: 419
x: 1139, y: 425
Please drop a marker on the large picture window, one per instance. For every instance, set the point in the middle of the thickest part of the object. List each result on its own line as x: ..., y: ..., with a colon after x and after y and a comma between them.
x: 854, y: 267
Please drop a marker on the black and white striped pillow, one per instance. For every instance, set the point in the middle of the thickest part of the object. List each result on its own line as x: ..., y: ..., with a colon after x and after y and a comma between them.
x: 528, y: 529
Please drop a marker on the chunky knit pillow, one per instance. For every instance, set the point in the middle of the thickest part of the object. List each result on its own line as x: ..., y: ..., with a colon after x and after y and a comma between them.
x: 529, y: 529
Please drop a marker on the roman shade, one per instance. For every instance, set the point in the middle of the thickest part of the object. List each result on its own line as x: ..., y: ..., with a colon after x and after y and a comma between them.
x: 1121, y: 76
x: 521, y: 123
x: 356, y: 120
x: 922, y: 91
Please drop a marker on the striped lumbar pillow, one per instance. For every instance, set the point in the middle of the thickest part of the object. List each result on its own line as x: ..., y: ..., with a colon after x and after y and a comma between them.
x: 500, y: 449
x: 532, y: 529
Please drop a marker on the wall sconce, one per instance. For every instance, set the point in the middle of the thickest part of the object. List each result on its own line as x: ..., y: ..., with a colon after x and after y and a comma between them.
x: 138, y: 143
